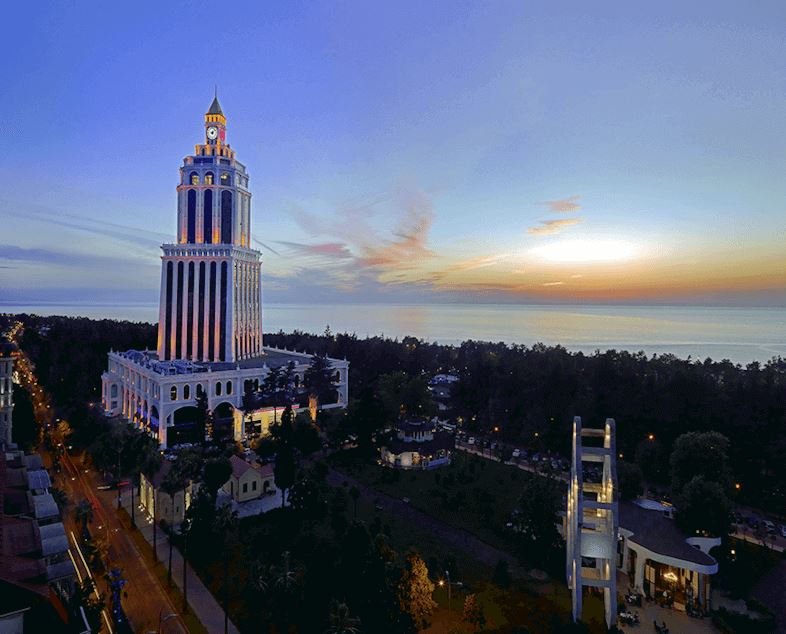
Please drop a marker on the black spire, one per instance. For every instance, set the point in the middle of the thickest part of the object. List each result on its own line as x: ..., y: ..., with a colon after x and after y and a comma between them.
x: 215, y: 107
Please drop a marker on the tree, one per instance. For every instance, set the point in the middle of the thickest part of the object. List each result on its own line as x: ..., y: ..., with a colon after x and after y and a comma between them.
x: 84, y: 597
x: 341, y: 621
x: 403, y: 395
x: 203, y: 417
x: 318, y: 378
x: 630, y: 478
x: 225, y: 525
x: 215, y: 474
x: 416, y: 590
x: 704, y: 454
x: 284, y: 469
x: 536, y: 519
x: 354, y: 493
x: 83, y: 514
x: 501, y: 574
x: 474, y: 613
x: 307, y: 498
x: 702, y: 506
x: 271, y: 389
x: 173, y: 482
x: 248, y: 406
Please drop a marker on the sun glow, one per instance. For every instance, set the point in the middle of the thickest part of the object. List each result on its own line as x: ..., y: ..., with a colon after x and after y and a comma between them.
x: 587, y: 250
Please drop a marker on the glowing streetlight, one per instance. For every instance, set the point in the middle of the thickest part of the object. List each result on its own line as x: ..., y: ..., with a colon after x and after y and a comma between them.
x: 651, y: 437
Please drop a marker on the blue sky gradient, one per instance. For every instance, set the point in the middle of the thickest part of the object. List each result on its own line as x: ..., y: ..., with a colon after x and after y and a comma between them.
x: 407, y: 151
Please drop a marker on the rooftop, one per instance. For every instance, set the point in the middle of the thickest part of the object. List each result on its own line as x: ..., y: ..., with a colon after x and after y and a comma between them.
x: 659, y: 534
x: 272, y: 358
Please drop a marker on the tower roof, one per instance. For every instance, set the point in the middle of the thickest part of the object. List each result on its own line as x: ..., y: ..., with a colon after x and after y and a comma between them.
x: 215, y: 107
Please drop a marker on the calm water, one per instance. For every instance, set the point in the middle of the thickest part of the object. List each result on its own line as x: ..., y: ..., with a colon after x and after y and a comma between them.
x: 739, y: 334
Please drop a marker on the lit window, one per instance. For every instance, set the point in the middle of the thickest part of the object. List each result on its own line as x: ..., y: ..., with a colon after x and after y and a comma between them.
x: 173, y: 393
x: 209, y: 178
x: 225, y: 180
x: 194, y: 178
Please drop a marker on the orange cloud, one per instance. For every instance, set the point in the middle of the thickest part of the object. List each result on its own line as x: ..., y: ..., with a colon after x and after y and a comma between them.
x: 564, y: 205
x: 551, y: 227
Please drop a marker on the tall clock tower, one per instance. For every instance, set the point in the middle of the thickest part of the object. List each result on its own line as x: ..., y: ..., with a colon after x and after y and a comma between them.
x: 211, y: 305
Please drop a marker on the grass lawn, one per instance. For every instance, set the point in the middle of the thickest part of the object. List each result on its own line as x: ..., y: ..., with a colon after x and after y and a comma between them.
x: 472, y: 493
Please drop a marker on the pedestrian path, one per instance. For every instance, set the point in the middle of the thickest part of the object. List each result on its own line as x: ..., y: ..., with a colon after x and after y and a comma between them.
x: 200, y: 599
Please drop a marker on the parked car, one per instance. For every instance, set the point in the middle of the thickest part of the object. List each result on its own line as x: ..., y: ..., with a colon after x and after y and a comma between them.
x: 516, y: 453
x: 471, y: 440
x: 783, y: 530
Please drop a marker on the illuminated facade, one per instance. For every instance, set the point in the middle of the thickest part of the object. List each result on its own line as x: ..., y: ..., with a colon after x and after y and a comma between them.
x: 7, y: 350
x: 592, y: 517
x: 210, y: 310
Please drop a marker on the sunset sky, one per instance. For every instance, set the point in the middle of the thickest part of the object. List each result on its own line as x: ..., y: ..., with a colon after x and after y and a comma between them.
x: 407, y: 151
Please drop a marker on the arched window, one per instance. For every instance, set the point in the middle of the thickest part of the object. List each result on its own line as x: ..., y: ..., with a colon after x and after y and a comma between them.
x: 229, y: 387
x: 208, y: 178
x: 173, y: 393
x: 226, y: 179
x: 207, y: 223
x: 194, y: 178
x: 199, y: 390
x: 113, y: 390
x: 226, y: 217
x: 191, y: 217
x: 186, y: 392
x: 218, y: 388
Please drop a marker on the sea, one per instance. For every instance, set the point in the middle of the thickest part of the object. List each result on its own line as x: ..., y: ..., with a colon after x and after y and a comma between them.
x: 741, y: 335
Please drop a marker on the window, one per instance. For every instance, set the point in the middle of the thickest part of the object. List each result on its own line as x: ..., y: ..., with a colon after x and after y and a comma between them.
x: 194, y: 178
x: 186, y: 392
x: 245, y: 487
x: 199, y: 390
x: 173, y: 393
x: 226, y: 181
x: 208, y: 178
x: 191, y: 217
x: 254, y: 485
x: 229, y: 387
x: 226, y: 217
x: 207, y: 222
x: 218, y: 388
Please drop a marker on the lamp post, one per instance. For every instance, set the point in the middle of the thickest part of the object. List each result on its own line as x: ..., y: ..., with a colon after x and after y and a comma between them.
x: 447, y: 576
x: 184, y: 528
x: 163, y: 619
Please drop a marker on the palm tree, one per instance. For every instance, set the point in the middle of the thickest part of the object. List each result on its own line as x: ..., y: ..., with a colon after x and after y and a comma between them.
x: 341, y: 621
x: 225, y: 523
x: 172, y: 483
x: 83, y: 514
x: 270, y: 386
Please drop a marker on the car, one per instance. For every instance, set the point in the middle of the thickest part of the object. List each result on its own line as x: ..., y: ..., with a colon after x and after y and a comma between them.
x: 471, y: 440
x: 405, y: 500
x: 783, y: 530
x: 516, y: 453
x: 378, y: 506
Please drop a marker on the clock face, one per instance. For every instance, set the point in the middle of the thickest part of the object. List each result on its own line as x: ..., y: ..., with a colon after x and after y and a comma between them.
x: 212, y: 132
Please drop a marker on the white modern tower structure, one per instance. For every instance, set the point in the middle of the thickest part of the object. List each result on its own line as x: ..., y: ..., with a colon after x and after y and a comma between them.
x: 210, y: 311
x: 592, y: 517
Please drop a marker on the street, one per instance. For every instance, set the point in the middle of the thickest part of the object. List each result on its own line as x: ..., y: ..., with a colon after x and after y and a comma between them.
x: 144, y: 600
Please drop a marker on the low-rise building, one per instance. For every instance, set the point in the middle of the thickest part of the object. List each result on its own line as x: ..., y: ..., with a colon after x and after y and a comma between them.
x: 170, y: 508
x: 249, y: 481
x: 416, y: 444
x: 659, y: 558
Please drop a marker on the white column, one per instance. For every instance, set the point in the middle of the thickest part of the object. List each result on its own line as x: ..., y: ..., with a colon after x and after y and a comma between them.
x: 195, y: 312
x: 173, y: 313
x: 638, y: 583
x: 217, y: 313
x: 162, y: 312
x: 183, y: 352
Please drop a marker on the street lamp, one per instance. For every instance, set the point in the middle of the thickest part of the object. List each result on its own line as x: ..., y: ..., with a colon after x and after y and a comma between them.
x: 447, y: 576
x: 163, y: 619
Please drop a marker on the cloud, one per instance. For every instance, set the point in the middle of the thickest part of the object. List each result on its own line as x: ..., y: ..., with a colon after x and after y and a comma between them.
x: 332, y: 250
x: 409, y: 248
x: 563, y: 205
x: 552, y: 227
x: 49, y: 257
x: 553, y: 284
